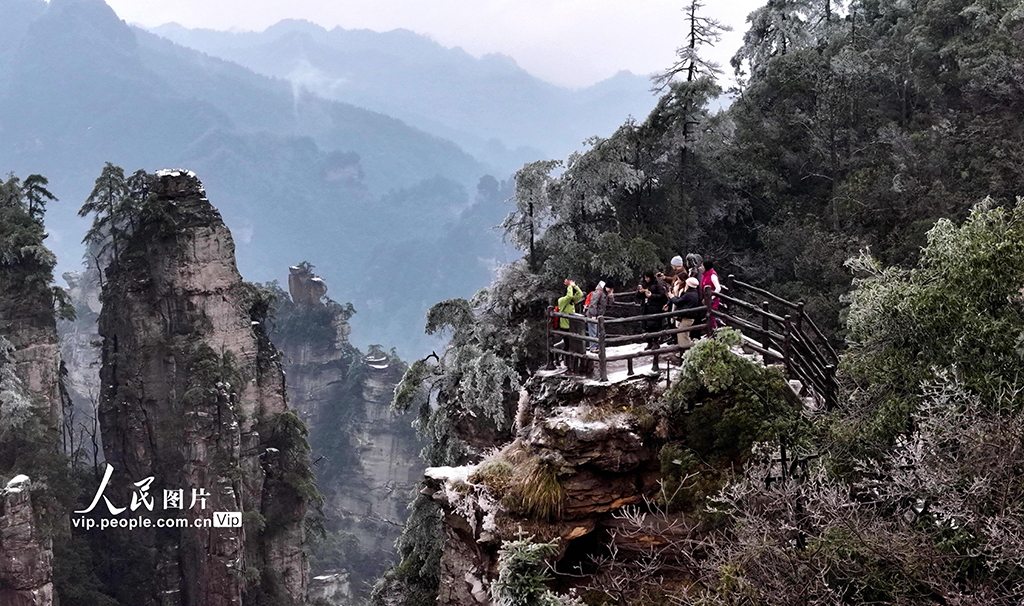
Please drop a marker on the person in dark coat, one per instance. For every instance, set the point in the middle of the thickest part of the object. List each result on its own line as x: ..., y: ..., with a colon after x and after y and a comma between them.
x: 653, y: 298
x: 688, y: 297
x: 600, y: 298
x: 695, y: 266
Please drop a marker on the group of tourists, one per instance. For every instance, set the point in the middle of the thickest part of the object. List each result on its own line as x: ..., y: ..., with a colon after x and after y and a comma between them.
x: 678, y: 289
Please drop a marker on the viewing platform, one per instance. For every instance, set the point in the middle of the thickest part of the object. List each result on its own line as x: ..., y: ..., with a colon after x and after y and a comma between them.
x: 774, y: 330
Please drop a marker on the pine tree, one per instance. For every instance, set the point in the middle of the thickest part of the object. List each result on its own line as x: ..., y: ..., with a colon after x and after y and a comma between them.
x: 109, y: 202
x: 702, y: 31
x: 35, y: 193
x: 526, y: 223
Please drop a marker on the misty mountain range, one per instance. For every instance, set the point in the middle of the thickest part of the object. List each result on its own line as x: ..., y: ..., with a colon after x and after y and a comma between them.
x: 489, y: 106
x: 394, y: 216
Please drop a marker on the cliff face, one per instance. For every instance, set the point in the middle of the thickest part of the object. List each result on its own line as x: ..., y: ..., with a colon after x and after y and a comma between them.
x: 583, y: 453
x: 36, y: 353
x: 78, y: 338
x: 25, y: 555
x: 30, y: 406
x: 80, y: 353
x: 367, y: 456
x: 193, y: 396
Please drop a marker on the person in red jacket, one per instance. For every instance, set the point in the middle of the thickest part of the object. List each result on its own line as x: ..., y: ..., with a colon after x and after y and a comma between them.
x: 710, y: 280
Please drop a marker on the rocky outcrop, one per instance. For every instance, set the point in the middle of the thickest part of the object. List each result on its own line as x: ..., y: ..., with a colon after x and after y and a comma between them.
x: 304, y: 286
x: 589, y: 447
x: 30, y: 410
x: 80, y: 337
x: 375, y: 498
x: 367, y: 456
x: 194, y: 398
x: 332, y: 588
x: 36, y: 355
x: 25, y: 554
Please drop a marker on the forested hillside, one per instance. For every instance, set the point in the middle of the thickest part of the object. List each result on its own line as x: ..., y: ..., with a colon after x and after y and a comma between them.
x: 844, y: 174
x: 856, y: 132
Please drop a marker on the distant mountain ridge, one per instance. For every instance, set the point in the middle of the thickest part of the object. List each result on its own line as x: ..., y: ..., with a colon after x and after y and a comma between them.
x: 297, y: 177
x: 489, y: 106
x: 397, y: 216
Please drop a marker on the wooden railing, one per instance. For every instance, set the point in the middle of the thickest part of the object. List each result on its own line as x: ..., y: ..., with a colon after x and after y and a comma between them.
x: 779, y: 330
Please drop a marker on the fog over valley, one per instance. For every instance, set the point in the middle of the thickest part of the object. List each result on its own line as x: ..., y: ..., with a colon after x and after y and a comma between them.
x: 360, y: 152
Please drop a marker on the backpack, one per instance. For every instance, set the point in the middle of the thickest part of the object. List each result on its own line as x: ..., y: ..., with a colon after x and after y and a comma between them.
x: 555, y: 318
x: 587, y: 302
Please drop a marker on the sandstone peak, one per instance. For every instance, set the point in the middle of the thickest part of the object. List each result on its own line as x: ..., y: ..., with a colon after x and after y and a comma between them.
x: 305, y: 287
x: 180, y: 181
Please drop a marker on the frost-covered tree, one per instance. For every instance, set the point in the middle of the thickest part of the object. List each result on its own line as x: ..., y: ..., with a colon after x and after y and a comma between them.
x: 935, y: 520
x: 700, y: 31
x: 532, y: 198
x: 468, y: 392
x: 523, y: 574
x: 15, y: 401
x: 961, y: 310
x: 777, y: 28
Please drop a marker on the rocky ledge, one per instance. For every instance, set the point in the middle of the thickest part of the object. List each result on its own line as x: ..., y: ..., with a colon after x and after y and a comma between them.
x: 583, y: 453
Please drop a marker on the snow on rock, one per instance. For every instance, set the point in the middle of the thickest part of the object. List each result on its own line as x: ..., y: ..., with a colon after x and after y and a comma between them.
x: 551, y: 373
x: 17, y: 483
x: 573, y: 417
x: 450, y: 474
x: 608, y: 442
x: 455, y: 491
x: 623, y: 375
x: 175, y: 172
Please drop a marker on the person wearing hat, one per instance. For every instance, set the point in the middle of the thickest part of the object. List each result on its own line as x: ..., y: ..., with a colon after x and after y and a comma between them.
x: 687, y: 297
x: 678, y: 270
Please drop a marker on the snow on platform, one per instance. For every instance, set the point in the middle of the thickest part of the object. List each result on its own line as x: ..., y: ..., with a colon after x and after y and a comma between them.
x: 618, y: 370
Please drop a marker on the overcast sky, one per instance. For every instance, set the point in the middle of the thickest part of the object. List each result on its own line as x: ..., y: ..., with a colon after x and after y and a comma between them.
x: 569, y: 42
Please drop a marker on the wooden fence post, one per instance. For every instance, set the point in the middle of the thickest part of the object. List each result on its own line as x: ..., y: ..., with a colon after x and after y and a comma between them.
x: 782, y: 454
x: 766, y: 341
x: 786, y: 343
x: 831, y: 396
x: 602, y: 355
x: 547, y: 330
x: 710, y: 310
